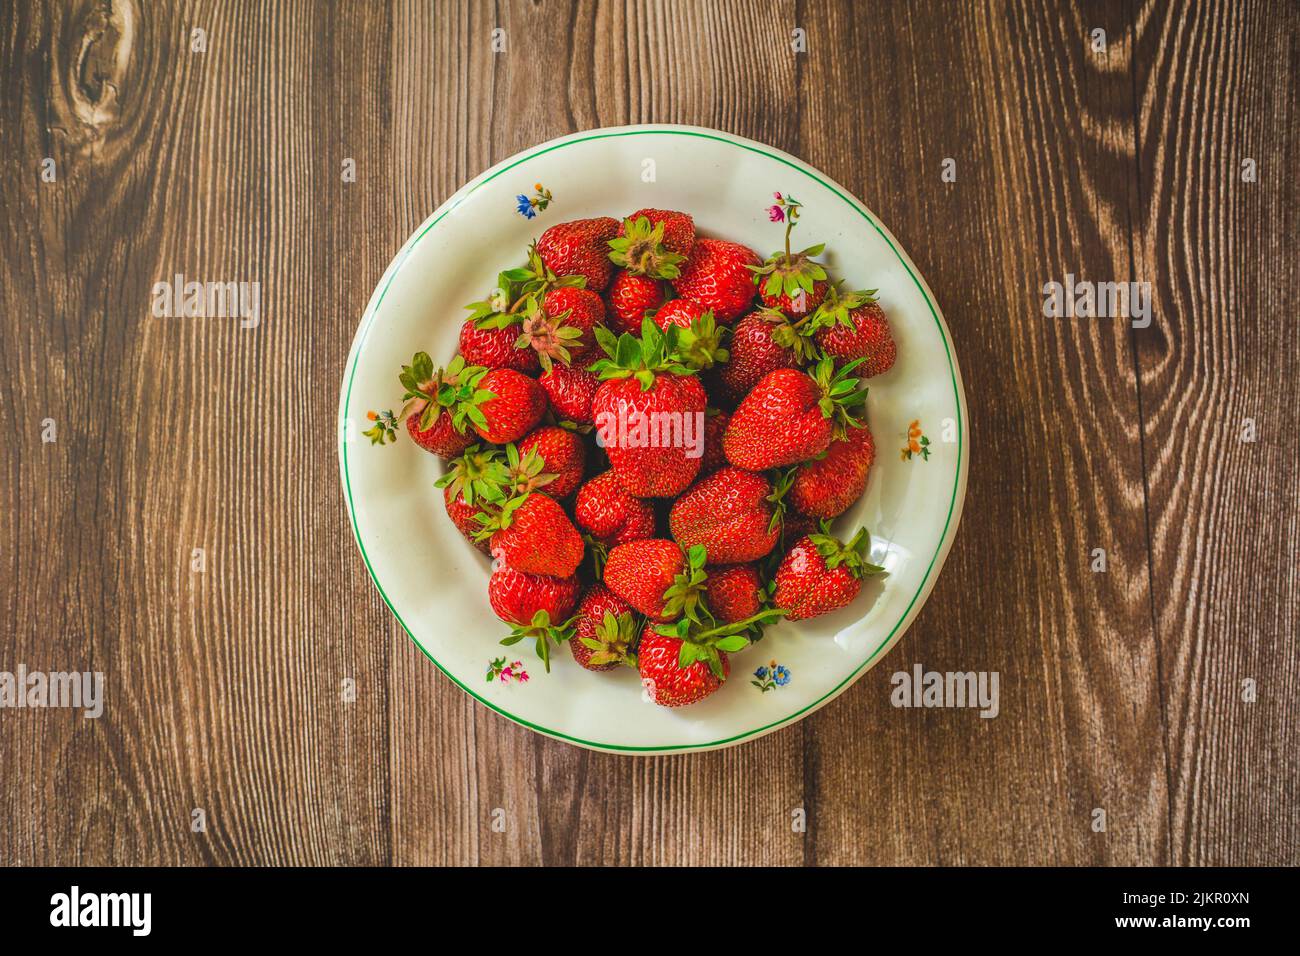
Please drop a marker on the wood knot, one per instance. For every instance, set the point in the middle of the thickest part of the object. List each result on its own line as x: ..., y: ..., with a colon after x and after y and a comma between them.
x: 91, y: 63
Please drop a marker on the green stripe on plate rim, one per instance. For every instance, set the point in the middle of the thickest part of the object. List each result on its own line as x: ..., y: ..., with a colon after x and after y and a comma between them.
x: 853, y: 204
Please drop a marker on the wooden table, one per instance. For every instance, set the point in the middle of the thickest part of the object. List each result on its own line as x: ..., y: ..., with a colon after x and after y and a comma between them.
x: 1121, y: 690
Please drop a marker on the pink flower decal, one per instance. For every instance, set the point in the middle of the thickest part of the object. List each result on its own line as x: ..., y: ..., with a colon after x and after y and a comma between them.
x: 499, y: 670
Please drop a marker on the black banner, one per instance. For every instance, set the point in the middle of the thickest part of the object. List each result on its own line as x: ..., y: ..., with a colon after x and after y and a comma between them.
x: 924, y: 905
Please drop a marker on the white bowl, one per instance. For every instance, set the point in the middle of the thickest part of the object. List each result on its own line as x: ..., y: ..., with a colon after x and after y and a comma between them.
x: 436, y: 584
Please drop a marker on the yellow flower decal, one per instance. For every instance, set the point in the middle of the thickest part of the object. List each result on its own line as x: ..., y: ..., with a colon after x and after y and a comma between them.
x: 917, y: 443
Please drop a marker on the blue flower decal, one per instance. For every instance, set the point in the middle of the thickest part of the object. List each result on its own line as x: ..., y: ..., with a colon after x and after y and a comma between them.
x: 772, y: 676
x: 530, y: 206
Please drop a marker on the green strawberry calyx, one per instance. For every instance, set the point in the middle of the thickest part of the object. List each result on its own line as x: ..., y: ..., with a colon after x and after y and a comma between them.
x: 781, y: 483
x: 766, y: 595
x: 518, y: 291
x: 700, y: 346
x: 790, y: 273
x: 627, y: 356
x: 790, y: 335
x: 835, y: 309
x: 850, y: 556
x: 497, y: 510
x: 685, y: 596
x: 476, y: 474
x: 599, y: 552
x: 549, y: 336
x: 701, y: 643
x: 615, y: 640
x: 524, y: 472
x: 641, y: 252
x: 429, y: 392
x: 840, y: 395
x: 541, y: 632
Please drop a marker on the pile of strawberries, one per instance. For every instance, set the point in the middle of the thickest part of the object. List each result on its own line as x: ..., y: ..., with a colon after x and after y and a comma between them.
x: 649, y: 431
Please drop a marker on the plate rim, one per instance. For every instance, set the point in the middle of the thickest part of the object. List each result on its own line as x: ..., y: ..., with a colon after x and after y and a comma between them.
x: 956, y: 502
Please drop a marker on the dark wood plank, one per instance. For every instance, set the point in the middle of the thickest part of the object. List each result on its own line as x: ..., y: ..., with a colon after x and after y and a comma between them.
x: 223, y: 686
x: 1219, y: 87
x: 1038, y: 127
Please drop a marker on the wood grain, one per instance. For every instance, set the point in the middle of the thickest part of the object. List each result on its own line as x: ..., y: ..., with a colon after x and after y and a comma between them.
x: 1218, y: 88
x: 1120, y: 690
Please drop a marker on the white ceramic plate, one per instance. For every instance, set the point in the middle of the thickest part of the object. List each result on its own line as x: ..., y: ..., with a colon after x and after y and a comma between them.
x: 436, y: 584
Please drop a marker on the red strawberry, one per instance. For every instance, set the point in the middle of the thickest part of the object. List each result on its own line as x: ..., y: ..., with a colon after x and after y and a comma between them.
x: 658, y: 660
x: 734, y: 592
x: 820, y: 574
x: 462, y: 515
x: 866, y: 336
x: 557, y: 452
x: 511, y: 328
x: 730, y: 513
x: 630, y: 297
x: 572, y: 308
x: 686, y: 661
x: 495, y: 347
x: 532, y: 533
x: 679, y: 312
x: 609, y: 514
x: 826, y: 487
x: 755, y: 352
x: 605, y: 631
x: 655, y: 577
x: 641, y: 246
x: 517, y: 596
x: 799, y: 303
x: 716, y: 276
x: 715, y: 427
x: 538, y: 606
x: 794, y: 525
x: 792, y: 282
x: 477, y: 473
x: 787, y: 280
x: 507, y: 406
x: 649, y: 413
x: 571, y: 391
x: 435, y: 406
x: 650, y: 467
x: 579, y: 248
x: 790, y: 416
x: 678, y: 228
x: 441, y: 437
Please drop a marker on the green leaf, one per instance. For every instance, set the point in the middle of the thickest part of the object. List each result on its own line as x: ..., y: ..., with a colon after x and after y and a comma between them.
x: 629, y: 351
x: 607, y: 340
x: 422, y: 366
